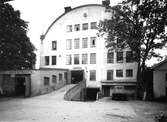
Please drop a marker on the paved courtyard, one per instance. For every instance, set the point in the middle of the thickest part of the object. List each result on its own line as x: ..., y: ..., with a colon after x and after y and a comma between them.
x: 52, y: 108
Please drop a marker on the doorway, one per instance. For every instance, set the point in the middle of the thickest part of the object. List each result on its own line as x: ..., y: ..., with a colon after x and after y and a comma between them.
x: 77, y: 76
x: 106, y: 91
x: 20, y: 86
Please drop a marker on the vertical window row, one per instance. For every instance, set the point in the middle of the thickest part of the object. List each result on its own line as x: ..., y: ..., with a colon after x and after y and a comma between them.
x: 47, y: 60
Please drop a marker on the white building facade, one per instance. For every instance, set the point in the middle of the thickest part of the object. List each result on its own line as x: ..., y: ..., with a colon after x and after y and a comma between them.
x: 71, y: 42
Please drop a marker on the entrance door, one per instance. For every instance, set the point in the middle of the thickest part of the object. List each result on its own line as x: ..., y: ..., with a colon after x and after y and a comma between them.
x: 20, y: 86
x: 76, y: 76
x: 106, y: 91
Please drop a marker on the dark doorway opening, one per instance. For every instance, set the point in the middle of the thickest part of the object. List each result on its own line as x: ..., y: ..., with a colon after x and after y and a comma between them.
x: 106, y: 91
x: 76, y: 76
x: 20, y: 86
x: 91, y: 94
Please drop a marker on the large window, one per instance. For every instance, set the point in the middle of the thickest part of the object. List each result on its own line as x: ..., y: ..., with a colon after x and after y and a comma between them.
x: 129, y: 56
x: 84, y: 58
x: 76, y: 43
x: 54, y: 60
x: 46, y: 60
x: 93, y: 42
x: 119, y: 57
x: 54, y: 45
x: 46, y: 81
x: 110, y: 57
x: 109, y: 74
x: 68, y: 59
x: 76, y: 58
x: 129, y: 73
x: 68, y: 44
x: 93, y: 58
x: 76, y: 27
x: 93, y: 25
x: 69, y: 28
x: 54, y: 79
x: 84, y: 42
x: 92, y: 75
x: 119, y: 73
x: 85, y: 26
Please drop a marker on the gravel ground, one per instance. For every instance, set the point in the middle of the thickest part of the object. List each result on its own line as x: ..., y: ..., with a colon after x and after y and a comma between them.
x: 53, y: 108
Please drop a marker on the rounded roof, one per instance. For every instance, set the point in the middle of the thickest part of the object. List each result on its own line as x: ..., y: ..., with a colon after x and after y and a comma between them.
x: 44, y: 35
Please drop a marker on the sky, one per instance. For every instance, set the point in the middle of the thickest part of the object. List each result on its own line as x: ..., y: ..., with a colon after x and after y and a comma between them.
x: 41, y: 13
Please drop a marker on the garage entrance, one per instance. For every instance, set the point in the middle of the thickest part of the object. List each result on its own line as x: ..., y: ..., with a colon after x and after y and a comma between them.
x: 77, y: 76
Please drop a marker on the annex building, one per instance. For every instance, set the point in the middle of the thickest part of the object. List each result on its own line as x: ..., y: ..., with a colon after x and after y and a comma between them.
x: 71, y: 42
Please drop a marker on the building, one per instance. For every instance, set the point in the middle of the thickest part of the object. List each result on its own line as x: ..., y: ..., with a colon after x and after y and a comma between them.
x: 160, y: 79
x: 71, y: 42
x: 32, y: 82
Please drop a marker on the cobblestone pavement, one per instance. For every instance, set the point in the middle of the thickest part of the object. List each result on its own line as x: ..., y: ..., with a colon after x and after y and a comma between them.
x: 53, y: 108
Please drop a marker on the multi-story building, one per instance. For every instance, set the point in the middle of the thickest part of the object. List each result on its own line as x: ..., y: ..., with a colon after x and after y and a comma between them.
x: 71, y: 42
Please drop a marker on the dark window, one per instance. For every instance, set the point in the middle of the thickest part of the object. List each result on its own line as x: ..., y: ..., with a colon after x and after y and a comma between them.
x: 46, y: 81
x: 46, y: 60
x: 92, y: 75
x: 77, y: 27
x: 166, y: 76
x: 93, y: 25
x: 129, y: 56
x: 85, y: 26
x: 93, y: 42
x: 110, y: 57
x: 76, y: 58
x: 109, y: 74
x: 129, y: 73
x: 60, y: 77
x: 119, y: 57
x: 119, y: 73
x: 54, y: 45
x: 54, y: 79
x: 53, y: 60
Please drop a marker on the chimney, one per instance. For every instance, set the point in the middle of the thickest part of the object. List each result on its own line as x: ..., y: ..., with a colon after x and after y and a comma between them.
x: 67, y: 9
x: 106, y: 2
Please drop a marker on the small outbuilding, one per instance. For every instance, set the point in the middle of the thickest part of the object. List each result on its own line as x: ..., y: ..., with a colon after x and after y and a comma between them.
x: 160, y: 79
x: 32, y: 82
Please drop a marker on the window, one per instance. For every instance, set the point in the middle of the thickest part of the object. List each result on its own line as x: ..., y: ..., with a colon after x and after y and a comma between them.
x: 129, y: 73
x: 76, y: 58
x: 93, y: 25
x: 93, y: 42
x: 76, y: 43
x: 69, y: 28
x: 77, y: 27
x: 129, y: 56
x: 119, y: 73
x: 84, y: 58
x: 119, y: 57
x: 109, y: 74
x: 54, y: 45
x: 166, y: 76
x: 110, y: 57
x: 54, y: 79
x: 53, y: 60
x: 68, y: 44
x: 92, y: 75
x: 60, y: 77
x: 93, y: 58
x: 46, y: 81
x: 68, y: 59
x: 84, y: 42
x: 65, y: 76
x: 46, y: 60
x: 85, y: 26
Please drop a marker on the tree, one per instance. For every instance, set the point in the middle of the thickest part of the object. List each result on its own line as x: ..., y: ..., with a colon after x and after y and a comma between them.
x: 140, y: 26
x: 16, y: 50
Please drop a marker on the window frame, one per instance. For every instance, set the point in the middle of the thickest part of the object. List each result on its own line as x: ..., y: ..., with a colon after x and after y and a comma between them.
x: 85, y: 26
x: 92, y: 58
x: 76, y: 43
x: 46, y: 81
x: 92, y: 42
x: 94, y: 75
x: 54, y: 79
x: 54, y: 61
x: 69, y: 28
x: 77, y: 27
x: 70, y: 59
x: 120, y: 59
x: 76, y: 56
x: 68, y: 44
x: 119, y: 71
x: 54, y: 45
x: 129, y: 72
x: 110, y: 57
x: 47, y: 60
x: 110, y: 76
x: 86, y: 58
x: 85, y: 42
x: 93, y: 25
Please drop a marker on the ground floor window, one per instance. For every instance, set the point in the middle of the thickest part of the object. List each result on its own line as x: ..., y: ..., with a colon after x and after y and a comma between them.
x: 46, y: 81
x: 92, y: 75
x: 54, y: 79
x: 60, y: 77
x: 129, y: 73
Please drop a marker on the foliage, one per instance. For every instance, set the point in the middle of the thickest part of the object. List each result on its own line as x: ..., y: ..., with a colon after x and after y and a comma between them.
x: 16, y: 50
x: 138, y: 25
